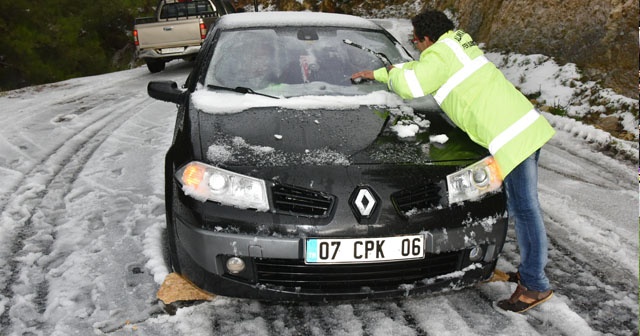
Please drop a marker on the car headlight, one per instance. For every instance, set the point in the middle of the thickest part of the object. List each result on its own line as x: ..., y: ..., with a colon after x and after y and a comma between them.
x: 474, y: 181
x: 207, y: 183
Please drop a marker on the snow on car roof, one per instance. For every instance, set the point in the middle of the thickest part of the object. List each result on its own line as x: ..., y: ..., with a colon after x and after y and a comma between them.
x: 279, y: 19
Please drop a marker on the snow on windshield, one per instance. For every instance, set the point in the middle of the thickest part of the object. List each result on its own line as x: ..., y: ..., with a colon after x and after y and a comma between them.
x: 297, y: 61
x: 223, y: 102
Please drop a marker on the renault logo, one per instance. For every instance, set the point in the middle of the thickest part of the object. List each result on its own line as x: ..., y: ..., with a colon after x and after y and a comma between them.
x: 364, y: 204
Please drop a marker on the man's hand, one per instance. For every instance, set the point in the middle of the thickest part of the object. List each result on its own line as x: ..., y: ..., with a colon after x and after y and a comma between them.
x: 367, y: 74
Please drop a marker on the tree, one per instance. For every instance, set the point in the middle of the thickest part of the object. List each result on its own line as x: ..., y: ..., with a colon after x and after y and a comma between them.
x: 53, y: 40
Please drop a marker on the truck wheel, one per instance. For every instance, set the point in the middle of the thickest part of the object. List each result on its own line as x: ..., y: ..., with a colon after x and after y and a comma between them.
x: 154, y: 65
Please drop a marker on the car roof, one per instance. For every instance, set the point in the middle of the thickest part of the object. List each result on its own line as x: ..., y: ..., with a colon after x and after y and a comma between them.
x: 286, y: 19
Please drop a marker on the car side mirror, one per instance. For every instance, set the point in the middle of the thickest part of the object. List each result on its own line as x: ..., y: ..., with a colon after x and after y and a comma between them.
x: 165, y: 90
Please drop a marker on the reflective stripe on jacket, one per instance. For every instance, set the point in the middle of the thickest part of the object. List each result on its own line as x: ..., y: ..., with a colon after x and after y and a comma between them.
x: 475, y: 95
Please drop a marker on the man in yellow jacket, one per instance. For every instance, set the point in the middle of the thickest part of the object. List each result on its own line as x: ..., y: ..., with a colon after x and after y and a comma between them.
x: 481, y: 101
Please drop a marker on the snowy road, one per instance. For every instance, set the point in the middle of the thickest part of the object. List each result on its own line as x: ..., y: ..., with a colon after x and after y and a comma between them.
x: 82, y: 216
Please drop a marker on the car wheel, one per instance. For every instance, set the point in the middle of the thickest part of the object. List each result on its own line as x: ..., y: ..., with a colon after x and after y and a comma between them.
x: 170, y: 233
x: 154, y: 65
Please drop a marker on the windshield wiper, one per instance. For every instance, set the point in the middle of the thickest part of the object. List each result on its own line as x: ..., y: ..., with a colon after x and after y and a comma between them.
x: 240, y: 89
x: 382, y: 57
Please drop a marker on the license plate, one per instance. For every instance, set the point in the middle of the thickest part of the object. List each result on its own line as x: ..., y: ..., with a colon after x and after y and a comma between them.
x: 359, y: 250
x: 172, y: 50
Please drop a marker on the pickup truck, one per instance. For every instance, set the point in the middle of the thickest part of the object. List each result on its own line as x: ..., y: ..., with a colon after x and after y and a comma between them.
x: 176, y: 31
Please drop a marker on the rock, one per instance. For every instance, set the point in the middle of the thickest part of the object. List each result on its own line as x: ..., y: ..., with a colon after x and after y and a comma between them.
x: 609, y: 124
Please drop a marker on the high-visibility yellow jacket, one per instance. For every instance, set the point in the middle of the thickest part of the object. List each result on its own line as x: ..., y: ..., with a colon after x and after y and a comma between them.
x: 475, y: 95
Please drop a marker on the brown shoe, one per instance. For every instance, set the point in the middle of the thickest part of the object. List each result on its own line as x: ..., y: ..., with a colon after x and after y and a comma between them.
x: 524, y: 299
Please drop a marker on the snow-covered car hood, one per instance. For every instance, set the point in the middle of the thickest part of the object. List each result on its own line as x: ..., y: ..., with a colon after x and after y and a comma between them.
x: 278, y: 136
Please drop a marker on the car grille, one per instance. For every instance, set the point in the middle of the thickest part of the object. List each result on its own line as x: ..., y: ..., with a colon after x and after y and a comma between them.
x: 418, y: 198
x: 352, y: 278
x: 301, y: 202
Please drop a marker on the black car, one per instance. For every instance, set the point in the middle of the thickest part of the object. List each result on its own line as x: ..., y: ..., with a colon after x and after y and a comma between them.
x: 286, y: 181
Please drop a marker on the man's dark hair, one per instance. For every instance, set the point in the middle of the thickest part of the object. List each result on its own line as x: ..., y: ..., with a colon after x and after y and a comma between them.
x: 431, y: 24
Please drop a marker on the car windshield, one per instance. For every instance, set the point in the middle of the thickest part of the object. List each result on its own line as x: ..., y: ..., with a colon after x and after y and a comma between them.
x: 180, y: 9
x: 300, y: 61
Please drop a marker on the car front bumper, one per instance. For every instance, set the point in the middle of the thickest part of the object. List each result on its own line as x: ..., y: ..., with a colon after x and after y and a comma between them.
x: 275, y: 269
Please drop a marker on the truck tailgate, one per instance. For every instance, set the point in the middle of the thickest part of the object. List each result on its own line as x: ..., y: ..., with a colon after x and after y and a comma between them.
x: 170, y: 33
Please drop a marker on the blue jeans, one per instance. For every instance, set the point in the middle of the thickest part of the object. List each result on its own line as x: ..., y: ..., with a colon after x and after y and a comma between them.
x: 521, y: 186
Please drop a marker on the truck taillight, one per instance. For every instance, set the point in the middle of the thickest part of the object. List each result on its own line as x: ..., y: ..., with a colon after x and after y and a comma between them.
x: 135, y: 38
x: 203, y: 31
